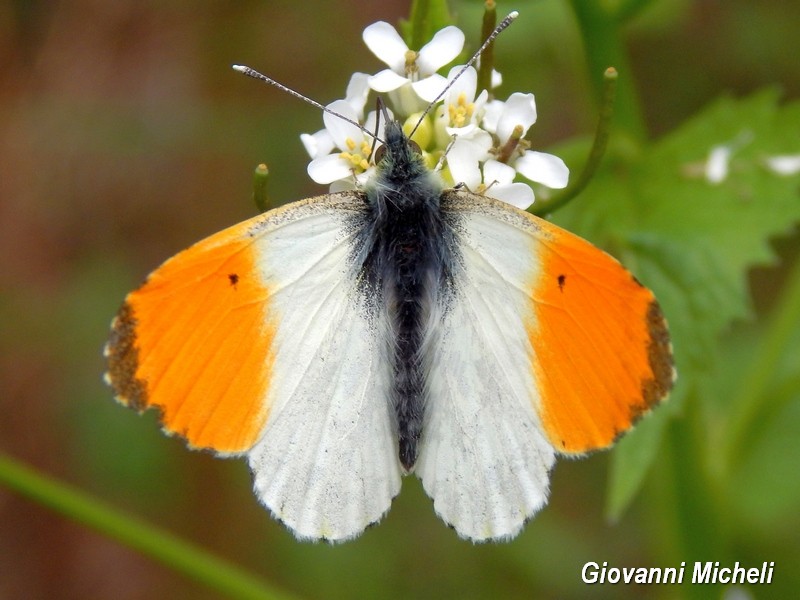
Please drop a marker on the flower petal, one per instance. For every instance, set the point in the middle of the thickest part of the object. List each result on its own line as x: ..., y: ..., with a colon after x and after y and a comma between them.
x: 317, y: 144
x: 342, y: 185
x: 357, y: 92
x: 327, y: 169
x: 430, y: 87
x: 543, y: 168
x: 491, y: 115
x: 463, y: 168
x: 785, y: 164
x: 516, y: 194
x: 467, y: 84
x: 519, y: 109
x: 463, y: 158
x: 386, y: 81
x: 339, y: 129
x: 385, y: 43
x: 405, y: 100
x: 497, y: 173
x: 462, y: 132
x: 497, y: 79
x: 717, y: 164
x: 442, y: 49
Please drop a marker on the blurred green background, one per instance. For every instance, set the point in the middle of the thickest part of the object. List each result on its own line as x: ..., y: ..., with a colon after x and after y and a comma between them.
x: 125, y: 136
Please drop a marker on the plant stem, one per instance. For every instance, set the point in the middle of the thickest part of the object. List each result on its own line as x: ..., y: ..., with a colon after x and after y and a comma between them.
x: 487, y: 58
x: 419, y: 18
x: 260, y: 194
x: 602, y: 133
x: 196, y: 563
x: 604, y: 47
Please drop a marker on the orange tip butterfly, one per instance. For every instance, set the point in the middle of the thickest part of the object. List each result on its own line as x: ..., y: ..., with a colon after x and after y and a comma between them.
x: 346, y: 340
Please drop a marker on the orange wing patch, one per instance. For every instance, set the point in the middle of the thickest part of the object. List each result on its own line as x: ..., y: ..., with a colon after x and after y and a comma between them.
x: 196, y: 341
x: 603, y: 356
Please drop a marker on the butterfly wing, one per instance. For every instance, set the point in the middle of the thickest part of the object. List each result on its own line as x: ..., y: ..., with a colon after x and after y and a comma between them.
x: 258, y: 341
x: 546, y: 346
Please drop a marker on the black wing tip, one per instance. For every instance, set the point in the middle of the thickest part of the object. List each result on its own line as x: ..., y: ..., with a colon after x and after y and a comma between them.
x: 122, y: 361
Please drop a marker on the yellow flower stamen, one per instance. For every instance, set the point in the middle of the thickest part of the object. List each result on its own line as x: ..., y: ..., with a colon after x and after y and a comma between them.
x: 411, y: 63
x: 358, y: 160
x: 460, y: 113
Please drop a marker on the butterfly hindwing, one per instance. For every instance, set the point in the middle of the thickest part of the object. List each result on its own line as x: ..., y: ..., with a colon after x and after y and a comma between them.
x: 259, y: 341
x: 546, y: 345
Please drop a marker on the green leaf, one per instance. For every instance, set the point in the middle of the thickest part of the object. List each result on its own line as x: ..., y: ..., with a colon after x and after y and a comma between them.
x: 768, y: 379
x: 631, y: 462
x: 692, y: 241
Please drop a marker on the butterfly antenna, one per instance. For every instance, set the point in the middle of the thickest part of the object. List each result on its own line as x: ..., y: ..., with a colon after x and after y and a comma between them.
x: 497, y: 31
x: 256, y: 75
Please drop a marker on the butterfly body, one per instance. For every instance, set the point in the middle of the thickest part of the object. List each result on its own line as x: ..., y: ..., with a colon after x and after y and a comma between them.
x: 342, y: 341
x: 407, y: 256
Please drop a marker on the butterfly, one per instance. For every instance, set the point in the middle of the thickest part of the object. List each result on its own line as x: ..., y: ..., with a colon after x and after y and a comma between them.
x: 343, y: 341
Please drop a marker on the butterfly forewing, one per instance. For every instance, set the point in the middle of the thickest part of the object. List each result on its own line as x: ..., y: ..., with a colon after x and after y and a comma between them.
x: 259, y: 340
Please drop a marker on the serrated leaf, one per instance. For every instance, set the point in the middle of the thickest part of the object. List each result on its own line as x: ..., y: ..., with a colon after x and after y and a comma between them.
x: 692, y: 241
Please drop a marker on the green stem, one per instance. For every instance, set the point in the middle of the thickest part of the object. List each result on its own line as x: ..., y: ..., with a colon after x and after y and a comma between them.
x: 426, y: 18
x: 260, y: 194
x: 602, y: 133
x: 753, y: 401
x: 177, y: 554
x: 487, y: 58
x: 604, y: 47
x: 419, y: 19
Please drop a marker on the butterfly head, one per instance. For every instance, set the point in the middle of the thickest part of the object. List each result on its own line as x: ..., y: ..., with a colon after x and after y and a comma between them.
x: 399, y: 157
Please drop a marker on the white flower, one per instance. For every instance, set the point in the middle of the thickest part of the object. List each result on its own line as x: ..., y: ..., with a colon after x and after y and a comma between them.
x: 352, y: 163
x: 785, y: 164
x: 717, y: 164
x: 357, y: 93
x: 544, y: 168
x: 501, y: 118
x: 408, y: 70
x: 480, y: 143
x: 462, y: 110
x: 470, y: 164
x: 464, y: 156
x: 510, y: 121
x: 321, y: 143
x: 317, y: 144
x: 498, y: 180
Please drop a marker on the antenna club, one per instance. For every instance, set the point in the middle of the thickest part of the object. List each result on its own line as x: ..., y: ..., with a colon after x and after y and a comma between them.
x: 240, y: 68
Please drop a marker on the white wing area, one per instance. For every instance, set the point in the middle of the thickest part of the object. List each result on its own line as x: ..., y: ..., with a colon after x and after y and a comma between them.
x: 484, y: 458
x: 327, y: 464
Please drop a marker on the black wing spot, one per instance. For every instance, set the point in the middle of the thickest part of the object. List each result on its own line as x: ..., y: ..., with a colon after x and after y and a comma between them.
x: 234, y: 279
x: 562, y: 279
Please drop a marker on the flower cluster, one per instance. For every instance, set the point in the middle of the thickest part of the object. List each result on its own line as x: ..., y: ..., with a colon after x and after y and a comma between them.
x: 467, y: 138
